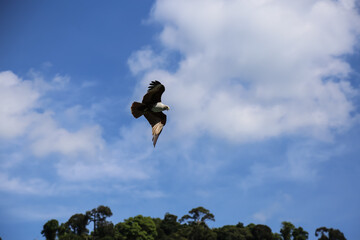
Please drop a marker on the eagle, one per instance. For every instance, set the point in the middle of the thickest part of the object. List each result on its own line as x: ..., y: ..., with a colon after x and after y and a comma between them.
x: 152, y: 108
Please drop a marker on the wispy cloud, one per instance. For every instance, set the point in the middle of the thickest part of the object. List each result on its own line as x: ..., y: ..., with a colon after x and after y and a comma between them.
x: 300, y: 164
x: 274, y: 209
x: 33, y: 186
x: 42, y: 212
x: 20, y: 117
x: 75, y: 146
x: 60, y: 80
x: 48, y: 138
x: 145, y: 59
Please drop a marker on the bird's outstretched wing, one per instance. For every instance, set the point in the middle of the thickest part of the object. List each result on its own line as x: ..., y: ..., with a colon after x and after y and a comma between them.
x: 157, y: 121
x: 154, y: 93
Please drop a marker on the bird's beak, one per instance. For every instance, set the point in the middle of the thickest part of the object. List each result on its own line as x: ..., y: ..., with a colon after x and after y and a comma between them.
x: 168, y: 108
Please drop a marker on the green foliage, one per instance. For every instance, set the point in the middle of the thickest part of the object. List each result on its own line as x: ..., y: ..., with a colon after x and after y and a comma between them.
x: 191, y: 226
x: 98, y: 216
x: 250, y: 232
x: 72, y: 236
x: 201, y: 232
x: 231, y: 232
x: 107, y: 238
x: 286, y: 230
x: 77, y: 224
x: 136, y: 228
x: 290, y: 232
x: 105, y: 230
x: 63, y: 230
x: 50, y: 229
x: 262, y: 232
x: 168, y: 228
x: 169, y: 224
x: 300, y: 234
x: 198, y: 216
x: 277, y: 236
x: 329, y: 234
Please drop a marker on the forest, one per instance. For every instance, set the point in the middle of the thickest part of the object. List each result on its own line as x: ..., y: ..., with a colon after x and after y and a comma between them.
x: 191, y: 226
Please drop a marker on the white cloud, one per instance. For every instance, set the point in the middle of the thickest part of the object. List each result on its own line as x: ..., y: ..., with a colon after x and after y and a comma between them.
x: 84, y: 171
x: 61, y: 81
x: 18, y: 98
x: 88, y: 84
x: 103, y: 167
x: 273, y: 209
x: 47, y: 137
x: 125, y: 159
x: 75, y: 146
x: 19, y: 116
x: 144, y: 59
x: 41, y: 212
x: 17, y: 185
x: 78, y: 169
x: 256, y: 69
x: 150, y: 194
x: 300, y: 164
x: 260, y: 217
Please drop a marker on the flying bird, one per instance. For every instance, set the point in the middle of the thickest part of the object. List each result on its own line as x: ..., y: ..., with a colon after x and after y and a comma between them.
x: 152, y: 108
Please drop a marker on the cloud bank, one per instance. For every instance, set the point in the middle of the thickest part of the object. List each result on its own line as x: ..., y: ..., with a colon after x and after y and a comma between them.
x: 250, y: 70
x: 31, y: 135
x: 21, y: 117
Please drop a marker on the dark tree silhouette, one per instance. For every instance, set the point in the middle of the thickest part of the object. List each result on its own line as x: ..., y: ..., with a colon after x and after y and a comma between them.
x: 262, y: 232
x: 200, y: 232
x: 105, y: 229
x: 77, y: 224
x: 329, y: 234
x: 98, y: 215
x: 192, y: 226
x: 287, y: 230
x: 300, y: 234
x: 198, y: 216
x: 196, y: 228
x: 231, y: 232
x: 63, y: 230
x: 290, y: 232
x: 50, y: 229
x: 169, y: 224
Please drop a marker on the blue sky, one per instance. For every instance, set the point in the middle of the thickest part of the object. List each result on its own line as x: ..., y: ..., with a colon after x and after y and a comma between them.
x: 264, y: 120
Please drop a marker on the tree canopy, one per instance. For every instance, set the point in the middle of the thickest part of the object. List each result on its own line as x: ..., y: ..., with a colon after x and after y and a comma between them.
x: 50, y: 228
x: 136, y: 228
x: 198, y: 216
x: 329, y: 234
x: 191, y: 226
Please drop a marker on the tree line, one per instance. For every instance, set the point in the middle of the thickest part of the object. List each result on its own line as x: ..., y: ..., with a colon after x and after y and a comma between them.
x: 192, y: 226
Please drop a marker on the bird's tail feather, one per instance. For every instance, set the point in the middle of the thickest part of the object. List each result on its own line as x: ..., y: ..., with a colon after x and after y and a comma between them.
x: 137, y: 109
